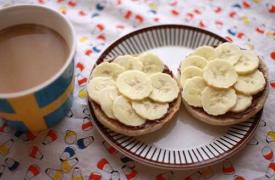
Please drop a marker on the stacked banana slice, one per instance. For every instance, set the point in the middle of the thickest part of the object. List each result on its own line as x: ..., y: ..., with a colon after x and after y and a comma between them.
x: 221, y: 79
x: 133, y: 89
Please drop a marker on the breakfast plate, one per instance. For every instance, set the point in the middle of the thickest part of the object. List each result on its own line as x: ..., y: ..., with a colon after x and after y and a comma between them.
x: 184, y: 143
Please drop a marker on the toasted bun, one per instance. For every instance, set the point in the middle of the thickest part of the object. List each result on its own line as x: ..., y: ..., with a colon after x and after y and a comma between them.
x: 148, y: 127
x: 231, y: 118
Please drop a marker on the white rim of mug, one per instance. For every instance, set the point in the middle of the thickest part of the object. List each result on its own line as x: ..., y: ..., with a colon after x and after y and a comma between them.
x: 60, y: 71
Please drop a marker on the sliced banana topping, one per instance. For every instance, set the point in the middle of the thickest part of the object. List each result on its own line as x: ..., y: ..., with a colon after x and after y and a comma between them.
x: 134, y: 89
x: 165, y: 88
x: 243, y: 102
x: 192, y: 90
x: 207, y: 52
x: 129, y: 62
x: 134, y: 84
x: 107, y: 96
x: 247, y: 63
x: 218, y: 101
x: 95, y: 85
x: 193, y: 60
x: 228, y: 52
x: 190, y: 72
x: 107, y: 69
x: 151, y: 63
x: 221, y: 81
x: 125, y: 113
x: 250, y: 84
x: 220, y: 74
x: 149, y: 109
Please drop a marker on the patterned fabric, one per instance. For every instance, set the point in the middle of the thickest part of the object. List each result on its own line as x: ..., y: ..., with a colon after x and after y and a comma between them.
x: 74, y: 150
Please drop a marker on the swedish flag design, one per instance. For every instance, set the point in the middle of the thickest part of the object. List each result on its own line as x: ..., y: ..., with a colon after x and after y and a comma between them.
x: 42, y: 109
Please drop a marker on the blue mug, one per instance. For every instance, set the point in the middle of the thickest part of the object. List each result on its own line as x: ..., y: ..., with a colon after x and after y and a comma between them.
x: 45, y: 105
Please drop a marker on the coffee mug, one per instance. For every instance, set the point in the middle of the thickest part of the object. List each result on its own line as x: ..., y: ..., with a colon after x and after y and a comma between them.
x: 42, y: 106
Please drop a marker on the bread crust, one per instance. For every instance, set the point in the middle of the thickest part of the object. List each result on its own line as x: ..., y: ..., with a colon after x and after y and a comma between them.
x: 231, y: 118
x: 150, y: 126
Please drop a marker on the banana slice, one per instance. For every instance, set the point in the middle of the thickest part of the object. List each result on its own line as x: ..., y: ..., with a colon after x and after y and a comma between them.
x: 250, y: 84
x: 150, y: 110
x: 151, y: 63
x: 218, y: 101
x: 192, y: 89
x: 220, y: 74
x: 107, y: 69
x: 193, y: 60
x: 165, y: 88
x: 247, y: 63
x: 228, y: 52
x: 107, y: 96
x: 189, y: 73
x: 207, y: 52
x: 124, y: 112
x: 243, y: 102
x: 129, y: 62
x: 97, y: 84
x: 134, y: 84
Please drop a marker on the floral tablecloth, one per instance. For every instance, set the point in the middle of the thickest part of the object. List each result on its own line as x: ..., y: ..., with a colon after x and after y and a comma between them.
x: 75, y: 150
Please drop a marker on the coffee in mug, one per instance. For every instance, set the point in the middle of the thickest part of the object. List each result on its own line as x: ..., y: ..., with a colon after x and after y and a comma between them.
x: 37, y: 48
x: 29, y: 55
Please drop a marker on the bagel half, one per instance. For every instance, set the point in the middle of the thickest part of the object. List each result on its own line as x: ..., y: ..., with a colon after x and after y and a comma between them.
x: 231, y: 118
x: 147, y: 127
